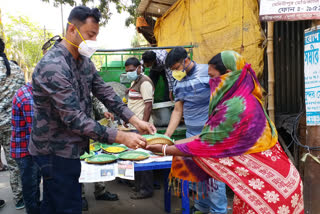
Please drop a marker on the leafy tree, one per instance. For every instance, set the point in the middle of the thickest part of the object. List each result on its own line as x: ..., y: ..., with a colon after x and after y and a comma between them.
x: 24, y: 40
x: 138, y: 41
x: 132, y: 10
x: 1, y: 27
x: 103, y: 6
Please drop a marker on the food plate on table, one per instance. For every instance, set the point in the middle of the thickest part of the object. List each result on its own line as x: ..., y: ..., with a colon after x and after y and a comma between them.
x: 158, y: 139
x: 133, y: 155
x: 114, y: 148
x: 86, y: 155
x: 101, y: 159
x: 108, y: 122
x: 94, y: 147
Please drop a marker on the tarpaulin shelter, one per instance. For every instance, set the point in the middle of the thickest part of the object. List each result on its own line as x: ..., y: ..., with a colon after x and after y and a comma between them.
x: 212, y: 25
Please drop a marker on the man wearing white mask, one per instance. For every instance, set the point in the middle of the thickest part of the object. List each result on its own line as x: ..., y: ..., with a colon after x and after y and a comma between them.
x: 140, y: 98
x: 62, y: 83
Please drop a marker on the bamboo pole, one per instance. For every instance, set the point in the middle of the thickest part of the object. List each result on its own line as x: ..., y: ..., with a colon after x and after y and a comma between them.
x: 270, y: 51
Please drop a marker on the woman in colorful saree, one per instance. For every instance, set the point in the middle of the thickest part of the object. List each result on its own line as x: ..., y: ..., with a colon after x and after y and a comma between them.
x: 238, y: 145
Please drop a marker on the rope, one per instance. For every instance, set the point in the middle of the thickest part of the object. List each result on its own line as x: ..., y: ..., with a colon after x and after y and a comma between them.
x: 295, y: 138
x: 303, y: 159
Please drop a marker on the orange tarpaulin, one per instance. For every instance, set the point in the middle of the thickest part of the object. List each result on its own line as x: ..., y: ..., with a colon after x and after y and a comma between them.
x: 141, y: 22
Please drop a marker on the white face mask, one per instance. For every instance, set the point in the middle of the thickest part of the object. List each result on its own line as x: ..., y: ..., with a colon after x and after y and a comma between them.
x: 88, y: 48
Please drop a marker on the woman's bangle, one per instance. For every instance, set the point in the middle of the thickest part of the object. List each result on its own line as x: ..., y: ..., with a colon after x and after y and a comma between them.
x: 164, y: 149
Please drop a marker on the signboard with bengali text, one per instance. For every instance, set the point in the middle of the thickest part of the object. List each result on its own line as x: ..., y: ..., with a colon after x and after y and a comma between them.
x: 281, y: 10
x: 312, y: 75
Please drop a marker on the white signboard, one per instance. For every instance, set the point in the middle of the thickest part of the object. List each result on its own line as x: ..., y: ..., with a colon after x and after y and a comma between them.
x: 312, y: 75
x: 280, y: 10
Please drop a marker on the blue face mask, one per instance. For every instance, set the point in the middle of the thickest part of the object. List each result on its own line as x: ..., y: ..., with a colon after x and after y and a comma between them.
x: 132, y: 76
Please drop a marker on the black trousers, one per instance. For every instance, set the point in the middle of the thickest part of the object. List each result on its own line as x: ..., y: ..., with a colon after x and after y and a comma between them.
x: 144, y: 182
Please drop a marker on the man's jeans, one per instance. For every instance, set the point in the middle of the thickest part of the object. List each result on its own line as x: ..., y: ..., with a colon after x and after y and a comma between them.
x: 216, y: 202
x: 30, y: 179
x: 61, y: 187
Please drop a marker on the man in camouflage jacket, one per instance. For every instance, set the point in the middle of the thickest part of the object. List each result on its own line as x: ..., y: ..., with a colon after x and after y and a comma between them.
x: 62, y: 126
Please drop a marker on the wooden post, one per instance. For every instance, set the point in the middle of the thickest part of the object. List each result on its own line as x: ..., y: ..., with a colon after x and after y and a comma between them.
x: 312, y: 173
x: 312, y: 170
x: 270, y: 72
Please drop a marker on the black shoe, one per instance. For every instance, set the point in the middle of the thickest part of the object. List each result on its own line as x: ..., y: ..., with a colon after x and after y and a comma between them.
x: 130, y: 184
x: 2, y: 203
x: 85, y: 206
x: 20, y: 204
x: 138, y: 195
x: 107, y: 196
x: 134, y: 189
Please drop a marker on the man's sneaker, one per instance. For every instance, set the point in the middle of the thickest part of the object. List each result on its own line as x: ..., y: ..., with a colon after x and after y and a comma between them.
x: 20, y: 204
x: 2, y: 203
x: 85, y: 206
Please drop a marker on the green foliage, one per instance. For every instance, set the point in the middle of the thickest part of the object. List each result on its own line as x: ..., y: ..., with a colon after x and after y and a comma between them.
x: 98, y: 61
x: 138, y: 41
x: 103, y: 6
x: 132, y: 10
x: 24, y: 40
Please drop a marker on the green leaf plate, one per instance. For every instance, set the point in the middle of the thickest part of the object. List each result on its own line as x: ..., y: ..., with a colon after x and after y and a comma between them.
x: 158, y: 139
x: 101, y: 159
x: 86, y: 155
x: 113, y: 148
x: 133, y: 155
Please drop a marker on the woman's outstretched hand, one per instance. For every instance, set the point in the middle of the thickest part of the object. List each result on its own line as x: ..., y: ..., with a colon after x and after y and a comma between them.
x: 155, y: 148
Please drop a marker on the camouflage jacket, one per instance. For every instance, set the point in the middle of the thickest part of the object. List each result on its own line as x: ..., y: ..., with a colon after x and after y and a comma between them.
x: 98, y: 109
x: 62, y: 123
x: 8, y: 87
